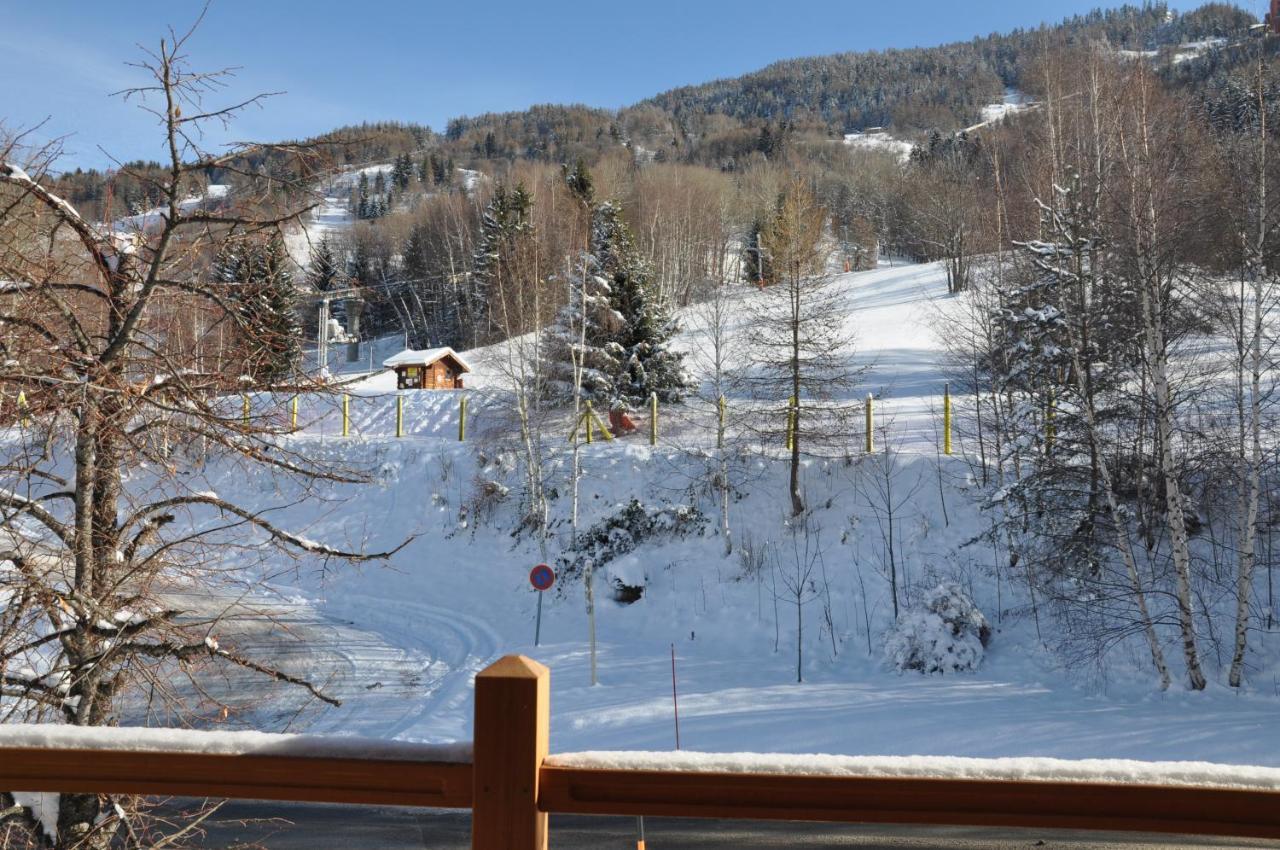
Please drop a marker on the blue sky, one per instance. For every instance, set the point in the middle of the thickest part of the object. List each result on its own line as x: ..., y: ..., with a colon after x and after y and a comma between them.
x: 345, y: 62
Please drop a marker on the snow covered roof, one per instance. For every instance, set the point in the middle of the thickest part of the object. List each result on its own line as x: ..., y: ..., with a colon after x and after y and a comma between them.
x: 425, y: 357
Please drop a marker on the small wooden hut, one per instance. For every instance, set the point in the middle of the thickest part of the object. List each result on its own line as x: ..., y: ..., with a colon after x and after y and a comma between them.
x: 430, y: 369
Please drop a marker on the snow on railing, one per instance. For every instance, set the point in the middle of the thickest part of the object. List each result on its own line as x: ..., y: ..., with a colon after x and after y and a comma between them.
x: 127, y: 739
x: 1099, y: 771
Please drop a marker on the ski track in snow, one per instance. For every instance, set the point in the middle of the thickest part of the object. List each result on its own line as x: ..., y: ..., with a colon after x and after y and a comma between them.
x: 407, y: 682
x: 453, y: 647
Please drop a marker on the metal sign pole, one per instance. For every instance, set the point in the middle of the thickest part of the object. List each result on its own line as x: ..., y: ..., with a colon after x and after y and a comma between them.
x: 537, y: 629
x: 542, y: 577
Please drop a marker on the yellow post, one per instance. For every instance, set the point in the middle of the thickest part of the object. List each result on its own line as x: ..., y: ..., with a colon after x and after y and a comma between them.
x: 871, y: 444
x: 653, y: 419
x: 791, y: 421
x: 399, y: 416
x: 25, y: 420
x: 720, y: 432
x: 946, y: 419
x: 588, y: 417
x: 244, y: 408
x: 511, y: 732
x: 600, y: 426
x: 293, y: 414
x: 462, y: 419
x: 346, y: 415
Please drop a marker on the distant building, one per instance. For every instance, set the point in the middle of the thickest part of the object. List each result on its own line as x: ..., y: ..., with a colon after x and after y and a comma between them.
x: 1273, y: 18
x: 431, y: 369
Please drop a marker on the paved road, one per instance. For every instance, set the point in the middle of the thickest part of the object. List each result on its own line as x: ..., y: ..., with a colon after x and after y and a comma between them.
x: 320, y: 827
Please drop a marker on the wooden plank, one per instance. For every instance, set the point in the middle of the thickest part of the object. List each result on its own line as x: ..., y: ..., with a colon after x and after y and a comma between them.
x: 513, y: 715
x: 954, y: 802
x: 249, y: 777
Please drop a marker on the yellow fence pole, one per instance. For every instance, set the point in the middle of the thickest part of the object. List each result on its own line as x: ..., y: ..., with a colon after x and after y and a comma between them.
x: 791, y: 421
x: 588, y: 417
x: 244, y: 408
x: 653, y: 419
x: 399, y: 416
x: 462, y: 419
x: 946, y: 419
x: 871, y: 445
x: 293, y: 414
x: 346, y: 415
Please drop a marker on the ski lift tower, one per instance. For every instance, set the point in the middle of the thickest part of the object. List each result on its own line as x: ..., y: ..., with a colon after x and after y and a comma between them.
x: 1273, y: 18
x: 354, y: 300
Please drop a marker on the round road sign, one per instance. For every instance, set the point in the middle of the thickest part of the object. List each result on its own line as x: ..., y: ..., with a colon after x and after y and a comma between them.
x: 542, y: 577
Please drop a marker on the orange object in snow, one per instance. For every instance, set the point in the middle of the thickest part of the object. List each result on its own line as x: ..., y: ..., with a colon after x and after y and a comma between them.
x: 620, y: 422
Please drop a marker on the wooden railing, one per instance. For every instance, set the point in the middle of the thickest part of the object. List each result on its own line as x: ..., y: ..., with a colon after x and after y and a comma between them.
x: 511, y: 787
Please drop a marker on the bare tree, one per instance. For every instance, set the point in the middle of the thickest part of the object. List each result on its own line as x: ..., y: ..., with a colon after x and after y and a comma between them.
x: 718, y: 348
x: 798, y: 573
x: 799, y: 350
x: 98, y: 513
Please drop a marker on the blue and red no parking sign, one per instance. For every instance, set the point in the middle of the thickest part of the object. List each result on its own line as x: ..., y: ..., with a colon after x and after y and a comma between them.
x: 542, y: 577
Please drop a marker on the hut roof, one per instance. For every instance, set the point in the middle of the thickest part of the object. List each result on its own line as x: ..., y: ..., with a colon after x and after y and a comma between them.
x: 424, y: 357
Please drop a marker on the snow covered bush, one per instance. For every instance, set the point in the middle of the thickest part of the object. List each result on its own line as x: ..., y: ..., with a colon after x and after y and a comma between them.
x: 625, y: 531
x: 486, y: 495
x: 947, y: 635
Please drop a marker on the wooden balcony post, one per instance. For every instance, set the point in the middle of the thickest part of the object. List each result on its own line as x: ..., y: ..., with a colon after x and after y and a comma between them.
x: 513, y: 713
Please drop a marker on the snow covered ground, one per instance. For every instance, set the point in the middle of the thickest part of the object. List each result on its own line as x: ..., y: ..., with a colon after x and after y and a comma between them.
x: 400, y: 643
x: 879, y: 140
x: 329, y: 219
x: 332, y: 218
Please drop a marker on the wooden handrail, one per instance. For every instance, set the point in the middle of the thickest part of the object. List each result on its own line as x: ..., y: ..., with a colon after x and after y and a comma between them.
x: 952, y: 802
x: 251, y: 777
x: 511, y: 787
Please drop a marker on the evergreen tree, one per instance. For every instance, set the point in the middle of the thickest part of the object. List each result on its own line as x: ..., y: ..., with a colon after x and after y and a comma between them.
x: 278, y: 333
x: 440, y: 170
x: 428, y: 313
x: 648, y: 365
x: 580, y: 183
x: 261, y: 286
x: 323, y: 272
x: 612, y: 328
x: 506, y: 221
x: 402, y: 173
x: 584, y: 337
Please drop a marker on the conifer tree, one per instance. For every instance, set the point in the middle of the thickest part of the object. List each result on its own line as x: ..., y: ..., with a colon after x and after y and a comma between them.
x: 262, y: 288
x: 612, y: 328
x: 580, y: 183
x: 647, y: 363
x: 505, y: 223
x: 277, y: 329
x: 582, y: 345
x: 323, y: 272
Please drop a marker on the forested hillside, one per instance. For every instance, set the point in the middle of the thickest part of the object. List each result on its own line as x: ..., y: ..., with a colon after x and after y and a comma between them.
x: 724, y: 123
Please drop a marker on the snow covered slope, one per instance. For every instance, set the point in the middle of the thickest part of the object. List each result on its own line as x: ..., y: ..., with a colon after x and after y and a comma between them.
x: 401, y: 643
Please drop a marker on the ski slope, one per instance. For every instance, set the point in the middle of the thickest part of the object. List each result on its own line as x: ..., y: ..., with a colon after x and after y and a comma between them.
x: 401, y: 642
